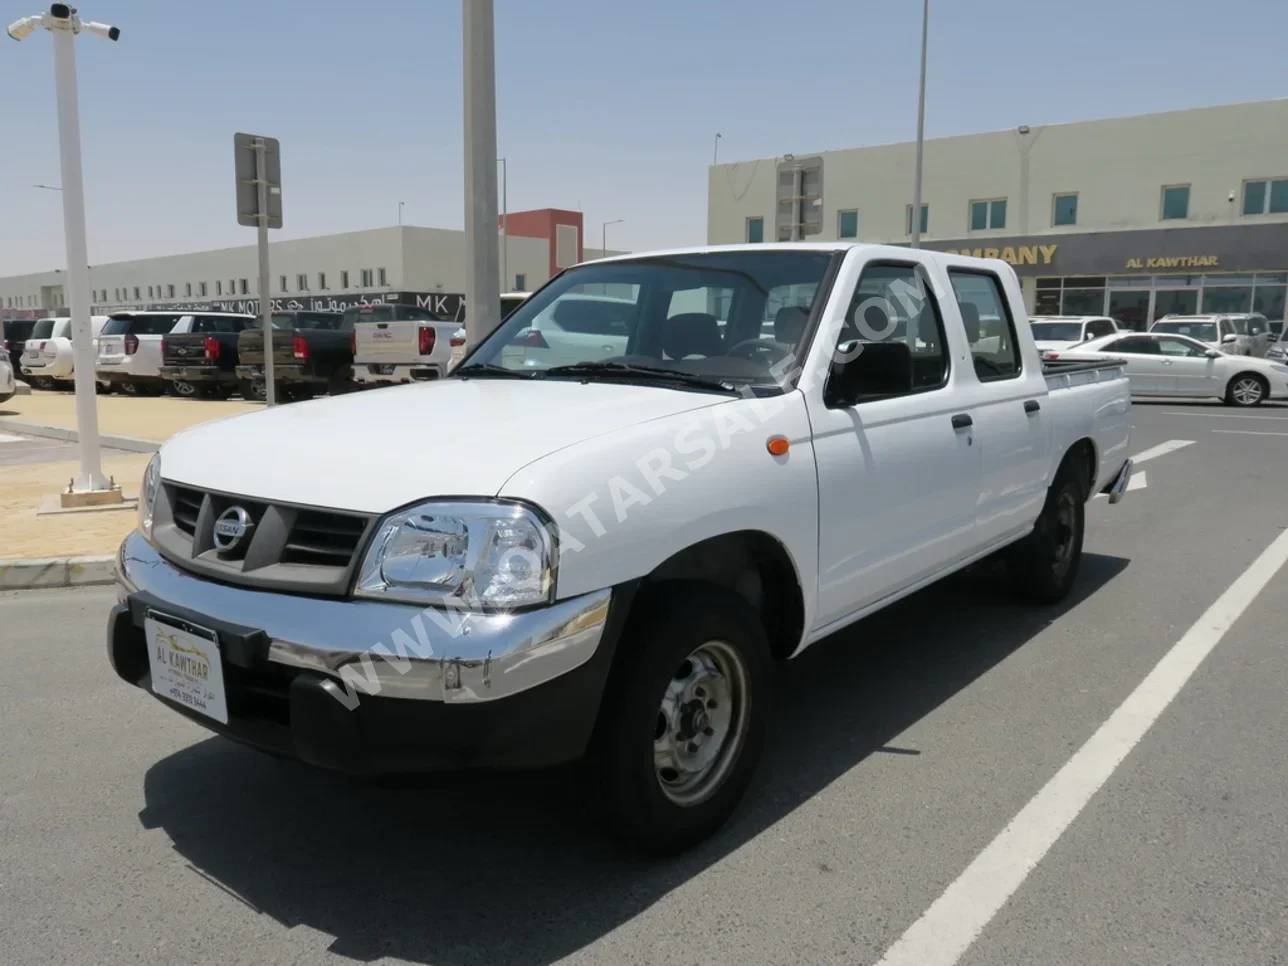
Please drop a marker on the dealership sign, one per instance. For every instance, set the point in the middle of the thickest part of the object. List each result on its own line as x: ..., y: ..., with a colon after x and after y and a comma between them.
x: 447, y: 306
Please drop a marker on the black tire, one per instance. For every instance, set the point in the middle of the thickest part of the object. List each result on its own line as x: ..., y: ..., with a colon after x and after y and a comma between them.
x: 182, y: 389
x: 216, y: 390
x: 251, y: 391
x: 130, y: 388
x: 1044, y: 565
x: 1247, y: 389
x: 103, y: 388
x: 298, y: 393
x: 341, y: 381
x: 666, y: 642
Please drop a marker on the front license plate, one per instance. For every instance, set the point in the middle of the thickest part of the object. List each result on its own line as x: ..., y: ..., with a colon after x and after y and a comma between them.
x: 185, y: 665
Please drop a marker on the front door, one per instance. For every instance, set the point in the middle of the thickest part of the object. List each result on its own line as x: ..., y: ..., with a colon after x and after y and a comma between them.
x: 898, y: 480
x: 1190, y: 371
x: 1147, y: 370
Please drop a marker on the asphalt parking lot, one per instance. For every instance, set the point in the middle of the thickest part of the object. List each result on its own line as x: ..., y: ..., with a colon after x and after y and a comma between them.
x: 949, y: 781
x: 20, y: 450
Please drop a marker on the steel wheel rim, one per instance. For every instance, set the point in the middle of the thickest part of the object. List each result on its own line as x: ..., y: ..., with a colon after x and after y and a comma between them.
x: 701, y: 723
x: 185, y: 388
x: 1247, y: 391
x: 1063, y: 532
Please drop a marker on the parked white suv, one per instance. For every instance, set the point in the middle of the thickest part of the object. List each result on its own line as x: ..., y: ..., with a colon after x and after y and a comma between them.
x: 1236, y: 335
x: 130, y: 353
x: 1054, y: 333
x: 47, y: 358
x: 8, y: 382
x: 612, y: 569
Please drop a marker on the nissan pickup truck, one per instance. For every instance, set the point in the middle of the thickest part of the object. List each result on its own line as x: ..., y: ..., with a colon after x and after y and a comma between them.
x: 792, y: 437
x: 312, y: 354
x: 202, y: 362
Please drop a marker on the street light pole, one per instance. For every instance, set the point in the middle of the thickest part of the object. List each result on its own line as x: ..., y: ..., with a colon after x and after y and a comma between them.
x: 400, y: 208
x: 921, y: 129
x: 715, y: 154
x: 482, y: 268
x: 64, y: 24
x: 603, y: 236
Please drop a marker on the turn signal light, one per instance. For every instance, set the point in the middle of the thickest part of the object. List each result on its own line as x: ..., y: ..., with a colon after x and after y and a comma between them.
x: 778, y: 445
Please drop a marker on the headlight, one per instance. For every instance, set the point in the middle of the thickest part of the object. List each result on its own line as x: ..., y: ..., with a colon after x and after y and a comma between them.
x: 148, y: 495
x: 481, y: 555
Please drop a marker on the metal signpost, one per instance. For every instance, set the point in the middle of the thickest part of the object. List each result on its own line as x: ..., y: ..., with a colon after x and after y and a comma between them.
x: 259, y: 205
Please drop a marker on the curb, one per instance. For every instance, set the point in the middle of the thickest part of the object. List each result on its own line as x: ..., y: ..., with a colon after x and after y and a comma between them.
x: 29, y: 574
x: 131, y: 444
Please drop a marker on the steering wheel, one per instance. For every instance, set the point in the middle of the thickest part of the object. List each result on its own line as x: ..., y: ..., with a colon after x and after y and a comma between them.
x: 767, y: 351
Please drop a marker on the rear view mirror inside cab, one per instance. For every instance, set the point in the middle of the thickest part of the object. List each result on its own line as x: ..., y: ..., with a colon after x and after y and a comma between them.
x: 867, y: 370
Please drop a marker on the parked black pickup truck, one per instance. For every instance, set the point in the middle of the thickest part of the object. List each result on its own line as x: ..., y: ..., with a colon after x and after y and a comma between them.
x: 312, y: 353
x: 203, y: 363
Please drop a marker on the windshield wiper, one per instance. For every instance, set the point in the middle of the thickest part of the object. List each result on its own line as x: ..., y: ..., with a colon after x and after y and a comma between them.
x: 654, y: 373
x: 492, y: 369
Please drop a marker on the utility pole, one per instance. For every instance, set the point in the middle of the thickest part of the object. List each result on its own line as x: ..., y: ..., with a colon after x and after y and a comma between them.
x: 921, y: 129
x: 482, y: 268
x: 505, y: 230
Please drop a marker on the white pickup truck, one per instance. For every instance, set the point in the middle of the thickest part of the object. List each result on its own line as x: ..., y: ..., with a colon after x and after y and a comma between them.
x: 608, y: 563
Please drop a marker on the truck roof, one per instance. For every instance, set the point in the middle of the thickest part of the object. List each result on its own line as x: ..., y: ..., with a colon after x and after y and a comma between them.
x: 890, y: 251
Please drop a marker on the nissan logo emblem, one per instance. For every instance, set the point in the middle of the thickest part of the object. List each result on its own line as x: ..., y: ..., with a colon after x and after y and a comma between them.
x: 231, y: 528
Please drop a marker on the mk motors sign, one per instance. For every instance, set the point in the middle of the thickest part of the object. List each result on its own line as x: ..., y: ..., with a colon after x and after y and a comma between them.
x: 445, y: 305
x: 1212, y: 248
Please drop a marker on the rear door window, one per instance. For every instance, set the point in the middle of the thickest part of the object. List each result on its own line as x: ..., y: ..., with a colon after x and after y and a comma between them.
x: 989, y: 326
x: 140, y: 324
x: 1139, y: 345
x: 218, y: 323
x: 43, y: 329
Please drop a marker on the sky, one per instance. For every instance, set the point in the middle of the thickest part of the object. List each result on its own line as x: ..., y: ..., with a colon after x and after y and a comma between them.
x: 606, y: 106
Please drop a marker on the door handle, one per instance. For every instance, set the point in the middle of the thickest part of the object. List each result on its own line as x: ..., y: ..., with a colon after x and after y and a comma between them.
x: 1031, y: 406
x: 1167, y: 362
x: 962, y: 421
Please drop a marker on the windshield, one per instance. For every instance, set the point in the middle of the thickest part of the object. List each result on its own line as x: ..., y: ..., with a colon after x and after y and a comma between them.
x: 1203, y: 331
x: 1057, y: 331
x: 307, y: 320
x: 43, y: 329
x: 729, y: 317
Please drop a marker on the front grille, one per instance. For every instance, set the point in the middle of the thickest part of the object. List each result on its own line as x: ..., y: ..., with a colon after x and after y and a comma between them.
x: 185, y: 505
x: 295, y: 549
x: 322, y: 538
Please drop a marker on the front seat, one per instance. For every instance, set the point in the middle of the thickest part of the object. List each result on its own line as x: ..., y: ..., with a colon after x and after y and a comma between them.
x: 692, y: 334
x: 789, y: 324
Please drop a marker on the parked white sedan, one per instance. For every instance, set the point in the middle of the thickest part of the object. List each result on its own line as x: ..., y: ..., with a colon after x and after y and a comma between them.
x: 1162, y: 364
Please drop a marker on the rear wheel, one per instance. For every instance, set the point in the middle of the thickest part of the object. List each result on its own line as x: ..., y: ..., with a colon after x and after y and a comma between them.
x: 182, y: 388
x: 684, y: 722
x: 341, y: 381
x: 251, y: 390
x: 1044, y: 565
x: 129, y: 388
x: 1247, y: 389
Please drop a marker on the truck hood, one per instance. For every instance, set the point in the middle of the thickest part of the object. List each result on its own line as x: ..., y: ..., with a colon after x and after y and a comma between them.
x: 379, y: 450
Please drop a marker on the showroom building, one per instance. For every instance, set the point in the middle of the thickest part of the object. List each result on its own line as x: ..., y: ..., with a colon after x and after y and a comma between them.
x: 407, y: 264
x: 1134, y: 217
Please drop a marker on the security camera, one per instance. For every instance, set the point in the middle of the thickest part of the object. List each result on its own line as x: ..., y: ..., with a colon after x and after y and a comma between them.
x: 1230, y: 197
x: 102, y: 30
x: 24, y: 28
x: 60, y: 11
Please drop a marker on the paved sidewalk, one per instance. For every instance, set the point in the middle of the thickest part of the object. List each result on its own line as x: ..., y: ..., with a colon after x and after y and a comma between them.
x: 156, y: 418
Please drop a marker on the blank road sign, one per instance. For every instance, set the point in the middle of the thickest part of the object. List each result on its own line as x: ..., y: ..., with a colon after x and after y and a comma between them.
x: 247, y: 186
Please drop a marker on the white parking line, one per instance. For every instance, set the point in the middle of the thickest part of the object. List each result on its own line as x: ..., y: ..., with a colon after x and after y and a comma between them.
x: 1162, y: 449
x: 1247, y: 432
x: 1174, y: 412
x: 955, y: 920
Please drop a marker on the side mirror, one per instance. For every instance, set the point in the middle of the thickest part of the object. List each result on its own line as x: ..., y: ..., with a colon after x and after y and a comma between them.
x: 866, y: 369
x: 1213, y: 353
x: 1228, y: 338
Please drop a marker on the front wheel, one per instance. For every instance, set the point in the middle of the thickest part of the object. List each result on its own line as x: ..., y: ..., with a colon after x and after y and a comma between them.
x: 1247, y: 389
x: 684, y: 721
x: 1044, y: 565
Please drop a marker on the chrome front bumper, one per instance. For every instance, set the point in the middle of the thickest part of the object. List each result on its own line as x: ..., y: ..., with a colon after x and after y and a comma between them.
x: 391, y: 649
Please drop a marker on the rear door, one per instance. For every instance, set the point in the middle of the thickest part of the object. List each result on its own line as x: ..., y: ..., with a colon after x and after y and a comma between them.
x: 1147, y: 370
x: 1012, y: 431
x: 898, y: 480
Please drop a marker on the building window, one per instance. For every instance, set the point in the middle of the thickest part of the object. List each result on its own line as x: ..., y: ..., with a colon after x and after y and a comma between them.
x: 204, y: 290
x: 847, y: 224
x: 384, y: 280
x: 281, y: 283
x: 987, y: 215
x: 321, y: 281
x: 187, y: 290
x: 1176, y: 202
x: 219, y: 286
x: 1065, y: 210
x: 344, y: 280
x: 925, y: 219
x: 244, y: 286
x: 149, y: 291
x: 136, y: 293
x: 521, y: 283
x: 301, y: 282
x: 169, y: 291
x: 1265, y: 197
x: 366, y: 278
x: 755, y: 230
